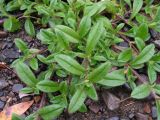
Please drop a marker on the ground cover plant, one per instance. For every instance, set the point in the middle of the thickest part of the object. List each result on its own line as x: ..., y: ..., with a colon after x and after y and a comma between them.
x: 81, y: 39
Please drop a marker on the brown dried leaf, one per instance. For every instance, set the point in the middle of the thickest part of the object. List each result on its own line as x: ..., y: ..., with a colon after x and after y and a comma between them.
x: 18, y: 109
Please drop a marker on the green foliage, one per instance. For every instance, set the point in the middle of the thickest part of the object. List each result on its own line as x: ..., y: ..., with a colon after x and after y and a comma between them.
x: 141, y: 91
x: 81, y: 39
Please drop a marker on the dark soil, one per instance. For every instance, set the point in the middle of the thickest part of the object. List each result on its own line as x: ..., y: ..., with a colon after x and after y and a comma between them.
x: 10, y: 85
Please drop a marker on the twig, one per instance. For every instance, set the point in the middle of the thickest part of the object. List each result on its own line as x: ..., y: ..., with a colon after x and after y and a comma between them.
x: 138, y: 76
x: 27, y: 17
x: 42, y: 103
x: 3, y: 34
x: 129, y: 42
x: 39, y: 52
x: 4, y: 65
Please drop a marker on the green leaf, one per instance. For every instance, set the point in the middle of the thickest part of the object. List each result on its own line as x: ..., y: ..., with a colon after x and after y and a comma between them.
x: 64, y: 87
x: 33, y: 64
x: 128, y: 2
x: 42, y: 9
x: 31, y: 116
x: 91, y: 92
x: 94, y: 36
x: 158, y: 109
x: 98, y: 73
x: 67, y: 33
x: 157, y: 16
x: 156, y: 57
x: 139, y: 43
x: 84, y: 26
x: 11, y: 24
x: 46, y: 36
x: 69, y: 64
x: 156, y: 67
x: 125, y: 55
x: 25, y: 74
x: 47, y: 86
x: 152, y: 74
x: 27, y: 90
x: 29, y: 27
x: 16, y: 117
x: 20, y: 44
x: 143, y: 32
x: 77, y: 100
x: 83, y: 108
x: 157, y: 89
x: 141, y: 91
x: 137, y: 5
x: 115, y: 78
x: 51, y: 112
x: 145, y: 55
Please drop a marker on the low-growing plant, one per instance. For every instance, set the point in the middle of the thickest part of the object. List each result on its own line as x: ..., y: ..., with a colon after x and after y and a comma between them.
x: 82, y: 38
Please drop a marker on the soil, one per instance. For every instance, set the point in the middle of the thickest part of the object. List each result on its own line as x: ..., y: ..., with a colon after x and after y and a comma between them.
x: 10, y: 85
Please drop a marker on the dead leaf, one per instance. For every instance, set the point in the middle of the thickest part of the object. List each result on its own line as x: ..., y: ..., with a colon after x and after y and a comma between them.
x: 18, y: 109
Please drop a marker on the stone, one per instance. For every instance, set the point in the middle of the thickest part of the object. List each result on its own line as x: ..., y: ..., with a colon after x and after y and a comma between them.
x: 157, y: 43
x: 140, y: 116
x: 3, y: 83
x: 2, y: 104
x: 17, y: 87
x: 131, y: 115
x: 147, y: 108
x: 113, y: 118
x: 111, y: 100
x: 1, y: 93
x: 94, y: 108
x: 154, y: 112
x: 10, y: 53
x: 3, y: 98
x: 123, y: 44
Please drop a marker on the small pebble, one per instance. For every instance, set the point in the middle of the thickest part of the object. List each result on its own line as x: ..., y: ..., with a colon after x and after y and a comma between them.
x: 154, y: 112
x: 3, y: 83
x: 1, y: 94
x: 114, y: 118
x: 111, y: 101
x: 3, y: 98
x: 94, y: 108
x: 124, y: 44
x: 2, y: 104
x: 131, y: 115
x: 140, y: 116
x: 17, y: 87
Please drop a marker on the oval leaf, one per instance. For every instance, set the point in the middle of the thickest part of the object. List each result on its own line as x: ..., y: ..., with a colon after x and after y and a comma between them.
x: 137, y: 5
x: 51, y: 112
x: 94, y: 36
x: 67, y: 33
x: 115, y: 78
x: 141, y: 91
x: 48, y: 86
x: 25, y: 74
x: 77, y: 100
x: 29, y: 27
x: 146, y: 54
x: 84, y: 26
x: 69, y: 64
x: 98, y: 73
